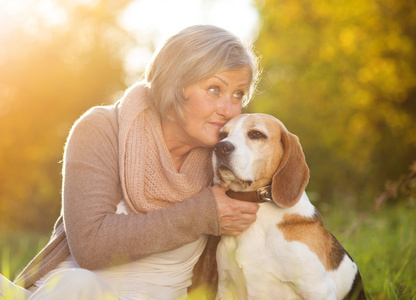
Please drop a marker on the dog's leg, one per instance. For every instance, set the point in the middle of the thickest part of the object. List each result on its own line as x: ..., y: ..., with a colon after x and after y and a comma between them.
x: 231, y: 281
x: 303, y: 269
x: 222, y: 271
x: 223, y: 268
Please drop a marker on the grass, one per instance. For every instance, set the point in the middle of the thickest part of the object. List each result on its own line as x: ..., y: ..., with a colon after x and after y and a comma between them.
x: 17, y: 249
x: 383, y: 246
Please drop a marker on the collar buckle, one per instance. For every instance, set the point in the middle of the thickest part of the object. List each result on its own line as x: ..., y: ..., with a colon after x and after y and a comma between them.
x: 265, y: 193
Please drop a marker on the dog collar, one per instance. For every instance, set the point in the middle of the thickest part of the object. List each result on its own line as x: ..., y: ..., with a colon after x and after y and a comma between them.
x: 263, y: 194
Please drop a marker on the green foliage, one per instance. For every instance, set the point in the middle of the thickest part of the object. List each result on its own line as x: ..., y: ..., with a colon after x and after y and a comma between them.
x: 50, y: 75
x: 342, y: 76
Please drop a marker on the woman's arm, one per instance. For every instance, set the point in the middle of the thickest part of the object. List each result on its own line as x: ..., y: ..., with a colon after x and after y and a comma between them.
x: 97, y: 236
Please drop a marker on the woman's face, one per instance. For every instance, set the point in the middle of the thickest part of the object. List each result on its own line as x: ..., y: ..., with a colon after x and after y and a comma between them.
x: 210, y: 104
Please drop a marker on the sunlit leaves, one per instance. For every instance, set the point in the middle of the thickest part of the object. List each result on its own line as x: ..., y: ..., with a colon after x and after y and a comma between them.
x: 342, y: 75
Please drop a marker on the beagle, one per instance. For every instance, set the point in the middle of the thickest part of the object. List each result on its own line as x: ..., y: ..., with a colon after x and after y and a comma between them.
x: 286, y: 253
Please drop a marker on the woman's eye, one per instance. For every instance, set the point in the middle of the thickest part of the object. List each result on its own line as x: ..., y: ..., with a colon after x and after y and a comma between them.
x: 214, y: 90
x: 254, y: 134
x: 239, y: 95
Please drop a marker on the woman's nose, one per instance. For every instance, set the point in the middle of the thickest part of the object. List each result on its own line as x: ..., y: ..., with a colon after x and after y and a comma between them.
x: 227, y: 108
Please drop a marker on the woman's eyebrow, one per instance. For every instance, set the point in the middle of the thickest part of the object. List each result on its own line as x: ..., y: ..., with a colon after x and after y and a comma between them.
x: 226, y: 83
x: 223, y: 81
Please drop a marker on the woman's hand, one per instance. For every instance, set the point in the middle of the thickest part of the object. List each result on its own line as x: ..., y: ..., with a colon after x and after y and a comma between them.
x: 236, y: 216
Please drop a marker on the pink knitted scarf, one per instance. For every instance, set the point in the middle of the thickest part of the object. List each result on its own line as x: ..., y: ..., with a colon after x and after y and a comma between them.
x: 148, y: 175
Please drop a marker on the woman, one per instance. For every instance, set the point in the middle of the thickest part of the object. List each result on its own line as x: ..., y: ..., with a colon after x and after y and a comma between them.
x: 138, y: 205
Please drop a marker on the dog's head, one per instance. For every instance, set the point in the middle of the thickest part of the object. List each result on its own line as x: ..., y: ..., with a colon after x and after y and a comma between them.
x: 256, y: 150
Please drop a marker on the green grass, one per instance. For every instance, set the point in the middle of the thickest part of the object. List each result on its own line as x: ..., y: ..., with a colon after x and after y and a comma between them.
x: 17, y: 249
x: 383, y: 246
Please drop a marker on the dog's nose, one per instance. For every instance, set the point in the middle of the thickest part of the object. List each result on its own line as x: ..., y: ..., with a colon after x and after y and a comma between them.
x: 223, y: 148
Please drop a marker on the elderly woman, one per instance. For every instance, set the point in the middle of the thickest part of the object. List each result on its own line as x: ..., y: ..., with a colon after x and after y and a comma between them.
x: 139, y: 207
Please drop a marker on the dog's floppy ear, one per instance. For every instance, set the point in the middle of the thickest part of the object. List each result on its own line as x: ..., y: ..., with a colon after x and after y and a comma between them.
x: 292, y: 175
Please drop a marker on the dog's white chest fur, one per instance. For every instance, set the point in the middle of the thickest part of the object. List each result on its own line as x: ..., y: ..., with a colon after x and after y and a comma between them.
x: 260, y: 263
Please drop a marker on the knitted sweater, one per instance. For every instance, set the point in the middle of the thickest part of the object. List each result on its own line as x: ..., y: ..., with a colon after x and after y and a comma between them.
x: 90, y: 230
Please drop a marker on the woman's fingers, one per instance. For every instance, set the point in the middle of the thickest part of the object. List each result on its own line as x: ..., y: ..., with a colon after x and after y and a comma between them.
x: 236, y: 216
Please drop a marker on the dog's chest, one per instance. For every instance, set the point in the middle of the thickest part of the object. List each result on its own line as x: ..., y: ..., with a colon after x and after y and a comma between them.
x: 250, y: 261
x: 256, y: 245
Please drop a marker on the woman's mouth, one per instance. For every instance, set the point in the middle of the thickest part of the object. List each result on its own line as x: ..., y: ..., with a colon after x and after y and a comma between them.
x: 218, y: 125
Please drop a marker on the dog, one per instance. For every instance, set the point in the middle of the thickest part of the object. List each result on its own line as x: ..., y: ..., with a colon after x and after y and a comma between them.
x: 286, y: 253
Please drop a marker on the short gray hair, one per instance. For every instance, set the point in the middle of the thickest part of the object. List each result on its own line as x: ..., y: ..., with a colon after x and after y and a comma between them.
x: 192, y: 55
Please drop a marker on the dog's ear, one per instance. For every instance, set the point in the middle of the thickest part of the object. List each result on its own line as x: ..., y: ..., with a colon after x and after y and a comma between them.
x: 292, y: 175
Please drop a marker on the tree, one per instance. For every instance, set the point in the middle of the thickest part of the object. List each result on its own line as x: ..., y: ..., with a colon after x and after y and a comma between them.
x: 50, y: 75
x: 342, y: 76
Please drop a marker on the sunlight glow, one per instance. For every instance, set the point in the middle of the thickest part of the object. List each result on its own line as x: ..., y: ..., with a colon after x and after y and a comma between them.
x: 167, y: 17
x: 153, y: 21
x: 149, y: 21
x: 29, y: 14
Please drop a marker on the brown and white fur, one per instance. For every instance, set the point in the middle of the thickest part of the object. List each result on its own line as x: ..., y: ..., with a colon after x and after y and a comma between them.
x: 286, y: 253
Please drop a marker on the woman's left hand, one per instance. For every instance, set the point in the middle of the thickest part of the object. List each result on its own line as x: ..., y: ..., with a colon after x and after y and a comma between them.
x: 236, y: 216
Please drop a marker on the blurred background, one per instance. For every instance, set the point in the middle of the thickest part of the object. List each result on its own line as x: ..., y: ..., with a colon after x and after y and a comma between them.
x: 340, y: 74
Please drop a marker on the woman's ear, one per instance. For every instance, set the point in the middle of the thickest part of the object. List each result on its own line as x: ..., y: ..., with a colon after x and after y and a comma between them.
x: 292, y: 175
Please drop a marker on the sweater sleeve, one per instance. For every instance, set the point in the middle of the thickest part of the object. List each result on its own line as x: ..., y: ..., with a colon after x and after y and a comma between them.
x: 97, y: 236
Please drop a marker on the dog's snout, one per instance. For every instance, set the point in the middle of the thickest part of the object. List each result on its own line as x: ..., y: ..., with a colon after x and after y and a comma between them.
x: 223, y: 148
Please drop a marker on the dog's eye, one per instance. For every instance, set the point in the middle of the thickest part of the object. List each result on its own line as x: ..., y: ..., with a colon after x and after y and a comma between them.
x: 222, y: 135
x: 254, y: 134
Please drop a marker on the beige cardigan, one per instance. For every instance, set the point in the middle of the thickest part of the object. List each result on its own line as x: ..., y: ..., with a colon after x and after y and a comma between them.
x: 90, y: 230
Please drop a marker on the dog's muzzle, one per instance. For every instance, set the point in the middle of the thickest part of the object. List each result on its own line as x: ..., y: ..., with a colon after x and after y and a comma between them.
x: 222, y: 151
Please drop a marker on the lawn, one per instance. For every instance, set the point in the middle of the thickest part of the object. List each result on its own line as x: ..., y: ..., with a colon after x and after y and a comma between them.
x: 17, y: 249
x: 382, y: 244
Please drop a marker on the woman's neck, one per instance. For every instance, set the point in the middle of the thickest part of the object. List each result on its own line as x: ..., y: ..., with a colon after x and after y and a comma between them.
x: 171, y: 131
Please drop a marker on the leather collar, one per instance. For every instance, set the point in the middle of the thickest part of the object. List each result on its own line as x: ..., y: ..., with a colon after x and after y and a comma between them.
x: 263, y: 194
